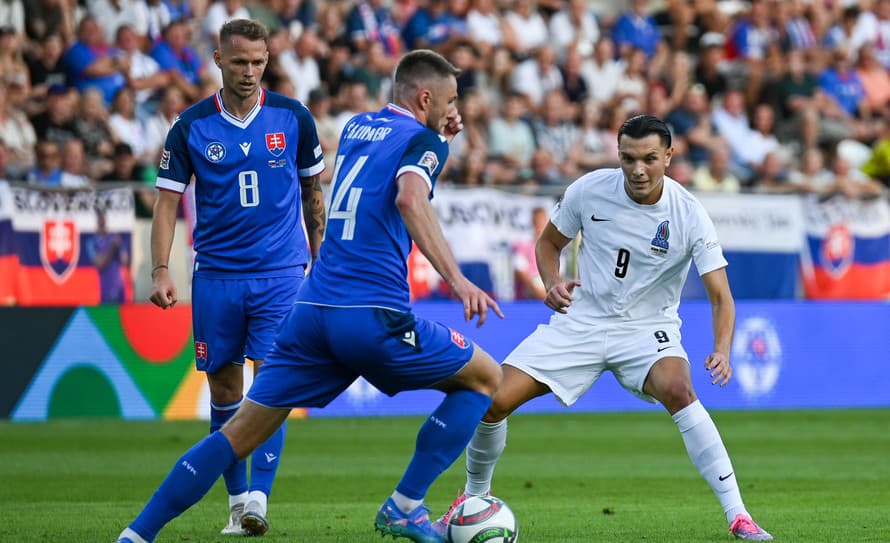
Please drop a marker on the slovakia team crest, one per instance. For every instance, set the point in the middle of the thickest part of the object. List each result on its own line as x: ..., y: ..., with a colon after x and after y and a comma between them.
x: 660, y: 243
x: 275, y: 143
x: 757, y: 356
x: 59, y: 248
x: 837, y: 250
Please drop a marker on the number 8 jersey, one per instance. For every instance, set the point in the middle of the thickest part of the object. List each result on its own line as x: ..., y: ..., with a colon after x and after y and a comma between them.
x: 363, y: 260
x: 247, y: 191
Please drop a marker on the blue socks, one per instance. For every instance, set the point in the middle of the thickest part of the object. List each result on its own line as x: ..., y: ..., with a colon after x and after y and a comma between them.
x: 442, y: 439
x: 264, y: 462
x: 235, y: 476
x: 188, y: 481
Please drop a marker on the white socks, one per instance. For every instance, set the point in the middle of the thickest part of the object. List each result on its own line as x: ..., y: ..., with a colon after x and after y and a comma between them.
x: 132, y: 536
x: 708, y: 454
x: 405, y: 503
x: 239, y: 498
x: 483, y: 452
x: 260, y: 497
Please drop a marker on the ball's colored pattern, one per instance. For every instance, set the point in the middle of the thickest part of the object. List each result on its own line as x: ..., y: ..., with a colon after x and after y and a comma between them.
x: 482, y: 519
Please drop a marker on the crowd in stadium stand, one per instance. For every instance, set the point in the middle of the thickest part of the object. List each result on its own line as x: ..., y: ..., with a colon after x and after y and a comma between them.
x: 767, y: 95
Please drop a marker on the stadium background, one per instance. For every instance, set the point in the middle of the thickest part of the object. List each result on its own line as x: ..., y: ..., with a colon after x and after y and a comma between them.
x: 795, y: 233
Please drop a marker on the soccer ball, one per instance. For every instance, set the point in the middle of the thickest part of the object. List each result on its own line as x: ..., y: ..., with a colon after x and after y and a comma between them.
x: 482, y: 519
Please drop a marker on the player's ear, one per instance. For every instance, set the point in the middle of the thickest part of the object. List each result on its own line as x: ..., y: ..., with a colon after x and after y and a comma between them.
x: 216, y: 59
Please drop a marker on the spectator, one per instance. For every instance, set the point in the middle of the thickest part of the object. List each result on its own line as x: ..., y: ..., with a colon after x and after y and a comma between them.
x: 635, y: 29
x: 537, y: 76
x: 144, y: 76
x: 595, y: 149
x: 632, y: 86
x: 45, y: 66
x: 690, y: 125
x: 91, y: 62
x: 115, y: 13
x: 602, y: 71
x: 875, y: 80
x: 48, y: 168
x: 773, y: 176
x: 220, y: 12
x: 573, y: 83
x: 353, y: 100
x: 301, y: 66
x: 319, y: 105
x: 853, y: 183
x: 466, y: 58
x: 371, y: 21
x: 160, y: 14
x: 712, y: 66
x: 841, y: 82
x: 46, y: 17
x: 574, y: 25
x: 510, y: 138
x: 176, y: 57
x: 528, y: 27
x: 372, y: 72
x: 812, y: 177
x: 878, y: 164
x: 732, y: 124
x: 91, y: 127
x: 18, y: 137
x: 74, y: 164
x: 681, y: 171
x: 108, y: 254
x: 715, y: 175
x: 156, y: 127
x: 429, y: 27
x: 128, y: 128
x: 487, y: 29
x: 495, y: 75
x: 57, y: 122
x: 882, y: 40
x: 5, y: 173
x: 12, y: 14
x: 126, y: 169
x: 557, y: 134
x: 526, y: 278
x: 13, y: 69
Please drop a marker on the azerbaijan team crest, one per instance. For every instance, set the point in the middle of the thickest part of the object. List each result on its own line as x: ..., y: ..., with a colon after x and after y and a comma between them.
x: 660, y: 243
x: 59, y: 248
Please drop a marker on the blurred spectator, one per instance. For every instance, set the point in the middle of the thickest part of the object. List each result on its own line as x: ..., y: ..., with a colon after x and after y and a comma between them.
x: 715, y: 176
x: 573, y: 83
x: 74, y: 165
x: 319, y: 105
x: 91, y: 127
x: 465, y: 57
x: 690, y: 125
x: 797, y: 30
x: 752, y: 36
x: 681, y: 171
x: 144, y: 76
x: 474, y: 109
x: 574, y: 25
x: 595, y: 151
x: 732, y: 124
x: 841, y: 82
x: 878, y: 164
x: 635, y: 29
x: 602, y: 71
x: 91, y: 62
x: 487, y: 28
x: 18, y: 137
x: 371, y: 21
x: 763, y: 139
x: 337, y: 67
x: 126, y: 168
x: 48, y: 168
x: 545, y: 170
x: 632, y: 85
x: 219, y: 13
x: 115, y: 13
x: 57, y: 122
x: 882, y: 40
x: 853, y: 183
x: 526, y: 278
x: 373, y: 73
x: 297, y: 15
x: 537, y: 76
x: 353, y: 100
x: 156, y: 127
x: 428, y: 27
x: 5, y: 173
x: 108, y: 255
x: 676, y: 21
x: 510, y: 138
x: 13, y: 69
x: 495, y: 75
x: 557, y: 134
x: 773, y: 176
x: 127, y: 127
x: 875, y: 80
x: 175, y: 56
x: 12, y: 14
x: 301, y: 66
x: 812, y: 175
x: 45, y: 66
x: 46, y: 17
x: 528, y: 27
x: 160, y: 14
x: 711, y: 68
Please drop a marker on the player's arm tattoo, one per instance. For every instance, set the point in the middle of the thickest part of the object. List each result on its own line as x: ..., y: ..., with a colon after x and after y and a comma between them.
x: 313, y: 211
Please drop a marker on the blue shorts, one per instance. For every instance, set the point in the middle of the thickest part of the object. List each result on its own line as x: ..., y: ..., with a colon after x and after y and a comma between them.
x: 234, y: 318
x: 321, y: 350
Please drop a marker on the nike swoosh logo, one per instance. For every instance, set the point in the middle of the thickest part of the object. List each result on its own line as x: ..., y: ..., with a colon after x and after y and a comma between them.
x: 725, y: 477
x: 663, y: 348
x: 594, y: 219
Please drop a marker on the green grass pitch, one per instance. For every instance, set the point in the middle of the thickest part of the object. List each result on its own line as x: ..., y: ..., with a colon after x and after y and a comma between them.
x: 809, y: 476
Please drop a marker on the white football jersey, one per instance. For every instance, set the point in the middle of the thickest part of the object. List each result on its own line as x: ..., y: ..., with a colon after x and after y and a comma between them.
x: 634, y: 258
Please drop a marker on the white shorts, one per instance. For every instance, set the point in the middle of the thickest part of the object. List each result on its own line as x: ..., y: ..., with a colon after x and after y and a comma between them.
x: 569, y: 357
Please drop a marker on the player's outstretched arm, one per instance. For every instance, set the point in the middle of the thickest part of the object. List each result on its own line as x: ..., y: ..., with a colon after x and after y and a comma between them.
x: 163, y: 225
x: 313, y: 212
x: 723, y: 323
x: 420, y: 218
x: 547, y: 250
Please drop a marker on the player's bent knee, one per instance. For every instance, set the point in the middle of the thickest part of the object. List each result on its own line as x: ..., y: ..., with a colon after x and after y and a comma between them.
x: 252, y: 425
x: 677, y: 395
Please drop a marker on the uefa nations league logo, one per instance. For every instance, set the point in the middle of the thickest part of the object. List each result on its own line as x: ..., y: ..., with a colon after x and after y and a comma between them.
x: 757, y: 356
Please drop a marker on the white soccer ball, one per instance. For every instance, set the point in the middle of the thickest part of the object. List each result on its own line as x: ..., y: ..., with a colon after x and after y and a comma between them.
x: 482, y: 519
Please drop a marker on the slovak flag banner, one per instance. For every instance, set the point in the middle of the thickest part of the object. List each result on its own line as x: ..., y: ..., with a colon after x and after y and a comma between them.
x: 50, y: 252
x: 847, y: 254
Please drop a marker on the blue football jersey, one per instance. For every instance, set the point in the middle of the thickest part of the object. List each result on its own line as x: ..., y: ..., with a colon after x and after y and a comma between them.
x: 247, y: 191
x: 363, y: 260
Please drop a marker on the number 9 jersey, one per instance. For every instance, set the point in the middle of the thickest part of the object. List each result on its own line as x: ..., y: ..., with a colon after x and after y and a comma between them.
x: 363, y: 260
x: 247, y: 191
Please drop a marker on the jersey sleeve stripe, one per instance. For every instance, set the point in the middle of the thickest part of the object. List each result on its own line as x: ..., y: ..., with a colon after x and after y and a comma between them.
x: 171, y: 185
x: 419, y: 171
x: 312, y: 170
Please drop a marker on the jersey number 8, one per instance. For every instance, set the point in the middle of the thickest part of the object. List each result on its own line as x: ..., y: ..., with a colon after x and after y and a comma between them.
x: 249, y: 188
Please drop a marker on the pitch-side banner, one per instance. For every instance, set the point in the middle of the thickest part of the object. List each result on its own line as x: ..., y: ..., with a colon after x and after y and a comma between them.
x: 847, y: 254
x: 52, y: 251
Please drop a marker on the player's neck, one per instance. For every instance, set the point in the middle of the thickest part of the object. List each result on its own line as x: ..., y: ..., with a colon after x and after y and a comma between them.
x: 238, y: 106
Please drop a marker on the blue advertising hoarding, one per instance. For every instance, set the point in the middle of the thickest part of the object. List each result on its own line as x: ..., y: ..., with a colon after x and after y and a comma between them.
x: 785, y: 355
